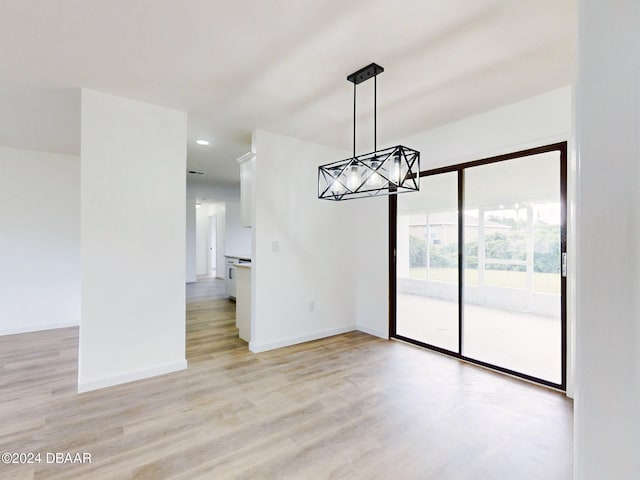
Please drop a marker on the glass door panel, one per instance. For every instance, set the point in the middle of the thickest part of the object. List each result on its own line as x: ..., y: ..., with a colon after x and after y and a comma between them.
x: 512, y: 262
x: 427, y: 263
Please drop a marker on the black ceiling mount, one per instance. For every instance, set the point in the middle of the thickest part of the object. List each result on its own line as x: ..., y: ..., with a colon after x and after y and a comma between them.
x: 365, y: 73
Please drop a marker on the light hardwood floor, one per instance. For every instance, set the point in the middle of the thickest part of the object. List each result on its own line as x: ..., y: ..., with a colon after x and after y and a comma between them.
x: 347, y: 407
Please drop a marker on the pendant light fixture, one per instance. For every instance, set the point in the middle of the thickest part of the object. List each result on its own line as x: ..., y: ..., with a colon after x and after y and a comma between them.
x: 381, y: 172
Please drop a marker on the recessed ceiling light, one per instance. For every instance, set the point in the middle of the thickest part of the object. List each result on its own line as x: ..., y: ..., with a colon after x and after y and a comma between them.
x: 202, y: 142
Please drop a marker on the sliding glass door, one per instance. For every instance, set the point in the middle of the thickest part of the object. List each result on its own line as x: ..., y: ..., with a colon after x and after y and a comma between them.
x: 478, y: 264
x: 512, y: 257
x: 427, y: 300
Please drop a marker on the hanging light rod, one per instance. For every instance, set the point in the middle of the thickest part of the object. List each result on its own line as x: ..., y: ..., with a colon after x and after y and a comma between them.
x: 382, y: 172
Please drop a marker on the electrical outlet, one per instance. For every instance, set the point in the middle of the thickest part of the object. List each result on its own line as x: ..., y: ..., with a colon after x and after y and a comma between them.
x: 275, y: 246
x: 312, y: 306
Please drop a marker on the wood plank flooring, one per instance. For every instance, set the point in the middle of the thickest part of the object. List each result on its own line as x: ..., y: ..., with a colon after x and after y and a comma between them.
x: 347, y: 407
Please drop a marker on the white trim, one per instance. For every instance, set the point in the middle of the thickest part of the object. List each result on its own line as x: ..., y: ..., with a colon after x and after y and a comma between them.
x: 507, y: 149
x: 36, y: 328
x: 245, y: 158
x: 263, y: 347
x: 132, y: 376
x: 373, y: 331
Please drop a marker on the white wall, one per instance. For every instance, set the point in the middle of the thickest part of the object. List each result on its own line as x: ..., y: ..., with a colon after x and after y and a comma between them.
x: 539, y: 120
x: 202, y: 238
x: 190, y: 252
x: 133, y: 192
x: 238, y: 240
x: 203, y: 188
x: 535, y: 121
x: 39, y: 240
x: 221, y: 215
x: 607, y: 398
x: 303, y: 248
x: 371, y: 266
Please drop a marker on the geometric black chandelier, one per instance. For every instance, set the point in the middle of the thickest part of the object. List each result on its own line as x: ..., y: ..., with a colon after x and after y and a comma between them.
x: 385, y: 172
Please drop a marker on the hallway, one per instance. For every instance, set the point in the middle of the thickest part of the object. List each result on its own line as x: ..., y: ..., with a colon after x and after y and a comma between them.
x: 211, y: 317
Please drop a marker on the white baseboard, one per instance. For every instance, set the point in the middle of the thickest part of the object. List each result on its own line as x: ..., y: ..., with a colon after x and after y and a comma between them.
x: 191, y: 278
x: 263, y: 347
x: 35, y: 328
x: 132, y: 376
x: 373, y: 331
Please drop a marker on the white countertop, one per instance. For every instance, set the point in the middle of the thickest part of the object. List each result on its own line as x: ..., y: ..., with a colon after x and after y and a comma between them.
x: 243, y: 257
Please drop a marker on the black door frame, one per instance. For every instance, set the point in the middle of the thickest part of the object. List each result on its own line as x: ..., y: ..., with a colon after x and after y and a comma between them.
x: 459, y: 168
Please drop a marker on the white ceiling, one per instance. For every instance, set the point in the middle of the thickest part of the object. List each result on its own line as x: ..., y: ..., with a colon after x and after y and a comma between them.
x: 280, y: 65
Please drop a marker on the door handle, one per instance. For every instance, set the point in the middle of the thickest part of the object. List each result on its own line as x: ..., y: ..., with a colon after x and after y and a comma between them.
x: 564, y: 264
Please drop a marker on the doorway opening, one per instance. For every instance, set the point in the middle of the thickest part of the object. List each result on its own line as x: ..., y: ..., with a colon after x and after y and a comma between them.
x: 213, y: 241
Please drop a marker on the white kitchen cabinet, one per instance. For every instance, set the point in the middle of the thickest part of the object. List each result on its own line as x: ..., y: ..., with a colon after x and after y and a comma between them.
x: 230, y: 276
x: 243, y: 300
x: 247, y: 168
x: 231, y: 262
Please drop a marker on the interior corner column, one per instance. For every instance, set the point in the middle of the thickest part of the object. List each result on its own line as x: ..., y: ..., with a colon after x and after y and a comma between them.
x: 133, y: 195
